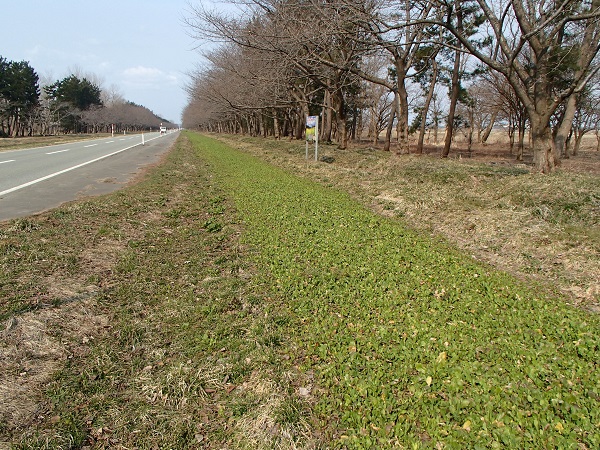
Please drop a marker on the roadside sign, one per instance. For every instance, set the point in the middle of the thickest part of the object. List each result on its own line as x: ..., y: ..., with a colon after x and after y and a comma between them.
x: 312, y: 133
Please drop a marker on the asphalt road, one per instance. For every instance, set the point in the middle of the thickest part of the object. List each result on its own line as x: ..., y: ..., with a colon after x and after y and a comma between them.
x: 37, y: 179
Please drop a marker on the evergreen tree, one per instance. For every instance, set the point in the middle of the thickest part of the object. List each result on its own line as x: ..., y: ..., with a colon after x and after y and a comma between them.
x: 19, y: 96
x: 72, y: 96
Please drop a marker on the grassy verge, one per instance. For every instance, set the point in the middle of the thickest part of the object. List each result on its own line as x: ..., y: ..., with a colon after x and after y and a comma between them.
x: 133, y: 320
x: 242, y: 307
x: 411, y: 342
x: 43, y: 141
x: 543, y: 229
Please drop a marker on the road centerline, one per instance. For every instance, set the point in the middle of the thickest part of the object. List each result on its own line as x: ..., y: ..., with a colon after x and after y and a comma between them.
x: 7, y: 161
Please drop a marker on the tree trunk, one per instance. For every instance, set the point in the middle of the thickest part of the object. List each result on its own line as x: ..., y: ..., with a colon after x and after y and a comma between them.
x: 470, y: 131
x: 340, y: 109
x: 577, y: 143
x: 402, y: 112
x: 426, y: 105
x: 359, y: 124
x: 490, y: 127
x: 511, y: 135
x: 543, y: 146
x: 327, y: 121
x: 276, y: 130
x: 521, y: 141
x: 390, y: 127
x: 373, y: 126
x: 564, y: 128
x: 453, y: 102
x: 301, y: 122
x: 354, y: 125
x: 286, y: 126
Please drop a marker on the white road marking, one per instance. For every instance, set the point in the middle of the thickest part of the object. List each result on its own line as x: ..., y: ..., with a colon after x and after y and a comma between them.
x: 58, y: 151
x: 16, y: 188
x: 109, y: 142
x: 7, y: 161
x: 91, y: 145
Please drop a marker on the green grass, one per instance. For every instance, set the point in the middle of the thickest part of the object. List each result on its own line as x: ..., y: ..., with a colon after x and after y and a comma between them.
x: 495, y: 210
x: 413, y: 343
x: 186, y: 356
x: 249, y: 308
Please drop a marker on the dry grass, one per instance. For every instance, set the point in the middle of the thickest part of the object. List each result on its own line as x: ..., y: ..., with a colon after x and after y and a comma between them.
x: 36, y: 344
x: 43, y: 141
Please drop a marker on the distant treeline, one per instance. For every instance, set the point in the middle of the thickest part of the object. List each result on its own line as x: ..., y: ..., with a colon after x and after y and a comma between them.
x: 74, y: 104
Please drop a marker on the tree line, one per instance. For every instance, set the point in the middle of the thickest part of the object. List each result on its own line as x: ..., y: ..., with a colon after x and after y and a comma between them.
x: 402, y: 68
x: 74, y: 104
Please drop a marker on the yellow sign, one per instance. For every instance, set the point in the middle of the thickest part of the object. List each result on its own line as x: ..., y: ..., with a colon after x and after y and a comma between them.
x: 311, y: 127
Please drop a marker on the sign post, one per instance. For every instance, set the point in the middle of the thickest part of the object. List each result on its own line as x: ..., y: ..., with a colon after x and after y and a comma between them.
x: 312, y: 134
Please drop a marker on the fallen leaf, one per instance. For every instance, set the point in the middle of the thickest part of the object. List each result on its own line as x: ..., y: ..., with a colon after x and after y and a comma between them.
x: 304, y: 392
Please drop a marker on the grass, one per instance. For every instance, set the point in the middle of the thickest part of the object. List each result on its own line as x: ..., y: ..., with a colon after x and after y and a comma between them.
x: 239, y: 306
x: 42, y: 141
x: 182, y: 355
x: 413, y: 343
x: 492, y: 208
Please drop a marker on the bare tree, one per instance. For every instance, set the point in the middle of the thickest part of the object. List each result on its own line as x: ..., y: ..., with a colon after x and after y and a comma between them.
x: 547, y: 52
x: 112, y: 96
x: 294, y: 38
x: 396, y: 29
x: 508, y: 108
x: 487, y: 106
x: 380, y: 100
x: 428, y: 77
x: 586, y: 119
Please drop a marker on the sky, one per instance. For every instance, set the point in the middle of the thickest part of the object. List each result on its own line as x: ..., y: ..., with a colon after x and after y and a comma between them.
x: 141, y: 47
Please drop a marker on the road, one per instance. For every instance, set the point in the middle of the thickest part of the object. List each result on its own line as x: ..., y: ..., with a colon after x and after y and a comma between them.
x: 37, y: 179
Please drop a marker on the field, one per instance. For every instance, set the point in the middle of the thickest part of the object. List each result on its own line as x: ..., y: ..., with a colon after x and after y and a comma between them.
x: 221, y: 302
x: 42, y: 141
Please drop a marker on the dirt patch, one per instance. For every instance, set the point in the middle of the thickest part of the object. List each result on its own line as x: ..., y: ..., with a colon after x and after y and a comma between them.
x: 65, y: 320
x: 498, y: 152
x: 36, y: 344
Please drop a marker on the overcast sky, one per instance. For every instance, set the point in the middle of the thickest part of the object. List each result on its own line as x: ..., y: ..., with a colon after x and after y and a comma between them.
x: 139, y: 46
